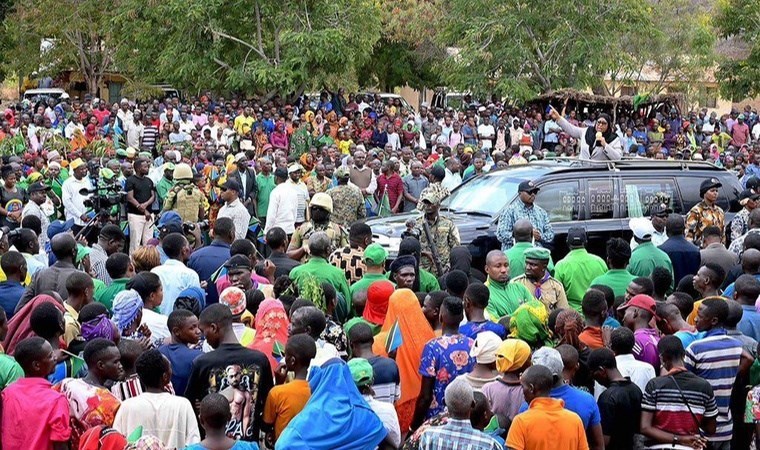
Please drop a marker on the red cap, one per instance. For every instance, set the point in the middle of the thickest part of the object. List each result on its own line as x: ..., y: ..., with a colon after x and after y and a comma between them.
x: 642, y: 301
x: 378, y: 295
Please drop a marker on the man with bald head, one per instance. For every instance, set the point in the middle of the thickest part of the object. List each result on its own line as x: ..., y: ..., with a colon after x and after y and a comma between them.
x: 504, y: 297
x: 523, y: 236
x: 53, y: 278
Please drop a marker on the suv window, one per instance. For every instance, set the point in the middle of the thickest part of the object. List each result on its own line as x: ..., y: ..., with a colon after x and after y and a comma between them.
x: 560, y: 200
x: 486, y: 195
x: 600, y: 194
x: 639, y: 194
x: 690, y: 188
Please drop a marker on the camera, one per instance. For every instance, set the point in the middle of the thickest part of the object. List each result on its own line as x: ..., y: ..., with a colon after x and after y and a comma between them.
x: 189, y: 227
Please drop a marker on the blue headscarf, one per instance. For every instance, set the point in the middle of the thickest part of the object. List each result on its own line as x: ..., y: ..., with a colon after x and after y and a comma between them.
x: 336, y: 417
x: 196, y: 293
x: 127, y: 305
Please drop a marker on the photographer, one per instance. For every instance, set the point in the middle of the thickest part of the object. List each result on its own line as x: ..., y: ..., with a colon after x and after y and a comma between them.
x: 140, y: 196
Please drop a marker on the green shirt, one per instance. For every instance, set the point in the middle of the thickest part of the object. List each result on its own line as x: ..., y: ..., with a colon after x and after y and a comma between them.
x: 617, y: 279
x: 163, y: 187
x: 365, y: 281
x: 10, y: 371
x: 505, y: 298
x: 645, y: 257
x: 106, y: 296
x: 576, y: 271
x: 516, y: 257
x: 323, y: 271
x: 266, y: 186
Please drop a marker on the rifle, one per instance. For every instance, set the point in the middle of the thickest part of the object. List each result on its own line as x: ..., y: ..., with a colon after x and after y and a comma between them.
x: 433, y: 249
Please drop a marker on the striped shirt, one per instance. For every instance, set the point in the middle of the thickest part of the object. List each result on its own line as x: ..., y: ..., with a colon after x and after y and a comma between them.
x: 716, y: 358
x: 457, y: 434
x: 663, y: 399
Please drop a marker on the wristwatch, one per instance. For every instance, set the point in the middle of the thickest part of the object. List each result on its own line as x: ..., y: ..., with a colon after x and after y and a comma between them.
x: 675, y: 440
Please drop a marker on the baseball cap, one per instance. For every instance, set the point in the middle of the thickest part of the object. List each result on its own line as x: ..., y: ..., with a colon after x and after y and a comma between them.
x: 59, y: 226
x: 168, y: 166
x: 549, y: 358
x: 233, y: 298
x: 375, y: 254
x: 743, y: 197
x: 342, y: 172
x: 707, y: 185
x: 361, y: 372
x: 238, y: 262
x: 431, y: 196
x: 642, y: 301
x: 294, y: 168
x: 38, y: 187
x: 753, y: 183
x: 576, y: 236
x: 642, y: 227
x: 527, y: 186
x: 231, y: 185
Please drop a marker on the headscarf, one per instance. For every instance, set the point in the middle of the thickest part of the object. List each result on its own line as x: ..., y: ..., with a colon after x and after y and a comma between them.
x: 127, y: 305
x: 196, y: 293
x: 378, y: 296
x: 461, y: 259
x: 530, y: 323
x: 191, y: 299
x: 350, y: 424
x: 512, y: 355
x: 99, y: 327
x: 411, y: 246
x: 19, y: 327
x: 485, y: 346
x: 102, y: 437
x: 609, y: 136
x: 404, y: 309
x: 271, y: 330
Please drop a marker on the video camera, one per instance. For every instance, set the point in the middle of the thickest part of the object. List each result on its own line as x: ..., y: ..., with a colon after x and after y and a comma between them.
x: 189, y: 227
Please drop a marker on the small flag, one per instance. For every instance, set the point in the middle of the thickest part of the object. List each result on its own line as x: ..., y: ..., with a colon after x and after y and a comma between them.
x: 384, y: 208
x: 394, y: 340
x: 278, y: 350
x: 135, y: 435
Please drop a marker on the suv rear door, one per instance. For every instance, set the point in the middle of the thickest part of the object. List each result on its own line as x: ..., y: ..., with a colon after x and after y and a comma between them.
x: 564, y: 202
x: 602, y: 218
x: 637, y: 193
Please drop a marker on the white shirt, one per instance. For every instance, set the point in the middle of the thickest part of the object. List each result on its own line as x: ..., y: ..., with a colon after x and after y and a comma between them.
x: 187, y: 126
x: 658, y: 238
x: 451, y: 180
x: 302, y: 192
x: 387, y: 414
x: 134, y: 133
x: 157, y: 324
x: 708, y: 128
x: 756, y: 132
x: 168, y: 417
x: 637, y: 371
x: 283, y: 205
x: 33, y: 209
x: 239, y: 215
x: 68, y: 132
x: 175, y: 278
x: 73, y: 201
x: 486, y: 133
x: 394, y: 140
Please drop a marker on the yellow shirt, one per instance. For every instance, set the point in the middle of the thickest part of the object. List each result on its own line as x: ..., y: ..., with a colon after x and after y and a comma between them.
x: 243, y: 124
x: 26, y: 281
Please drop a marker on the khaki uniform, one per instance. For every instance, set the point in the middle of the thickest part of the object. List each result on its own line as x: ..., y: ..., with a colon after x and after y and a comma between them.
x: 552, y: 292
x: 444, y: 234
x: 186, y: 200
x: 338, y: 236
x: 348, y: 204
x: 702, y: 216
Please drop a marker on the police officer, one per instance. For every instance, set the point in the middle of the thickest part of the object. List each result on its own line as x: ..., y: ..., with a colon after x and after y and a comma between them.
x: 443, y: 234
x: 705, y: 213
x: 184, y: 197
x: 320, y: 209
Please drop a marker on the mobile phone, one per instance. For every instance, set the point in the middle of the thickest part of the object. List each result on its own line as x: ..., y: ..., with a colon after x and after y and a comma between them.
x: 548, y: 109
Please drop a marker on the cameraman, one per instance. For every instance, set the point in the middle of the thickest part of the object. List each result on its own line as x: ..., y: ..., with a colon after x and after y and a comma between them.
x: 170, y: 222
x: 140, y: 197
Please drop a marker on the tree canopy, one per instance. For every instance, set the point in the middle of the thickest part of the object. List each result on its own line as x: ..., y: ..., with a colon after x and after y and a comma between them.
x: 739, y: 21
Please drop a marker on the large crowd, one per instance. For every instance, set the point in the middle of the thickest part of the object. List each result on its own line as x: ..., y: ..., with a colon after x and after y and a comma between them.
x: 200, y: 274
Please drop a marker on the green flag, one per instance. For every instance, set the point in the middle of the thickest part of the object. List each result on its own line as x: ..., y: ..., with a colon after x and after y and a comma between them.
x: 384, y: 208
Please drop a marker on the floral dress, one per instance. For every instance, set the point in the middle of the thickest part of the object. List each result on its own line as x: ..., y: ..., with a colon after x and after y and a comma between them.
x: 445, y: 358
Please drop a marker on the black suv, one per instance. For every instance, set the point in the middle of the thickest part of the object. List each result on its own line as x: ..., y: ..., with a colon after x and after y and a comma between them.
x: 599, y: 196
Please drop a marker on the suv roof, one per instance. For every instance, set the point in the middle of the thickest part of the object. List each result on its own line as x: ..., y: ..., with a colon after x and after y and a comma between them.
x: 575, y: 165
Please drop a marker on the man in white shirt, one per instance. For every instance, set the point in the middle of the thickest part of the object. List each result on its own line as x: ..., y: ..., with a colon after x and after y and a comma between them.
x: 71, y: 196
x: 639, y: 372
x: 453, y: 178
x: 234, y: 209
x: 363, y: 376
x: 124, y: 114
x: 73, y: 124
x: 295, y: 172
x: 175, y: 276
x: 186, y: 124
x: 37, y: 197
x: 134, y: 130
x: 486, y: 133
x: 283, y: 204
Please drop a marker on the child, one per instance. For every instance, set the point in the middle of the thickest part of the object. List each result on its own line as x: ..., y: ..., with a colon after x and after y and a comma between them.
x: 506, y: 394
x: 287, y: 400
x: 130, y: 387
x: 215, y: 413
x: 34, y: 416
x: 185, y: 334
x: 475, y: 302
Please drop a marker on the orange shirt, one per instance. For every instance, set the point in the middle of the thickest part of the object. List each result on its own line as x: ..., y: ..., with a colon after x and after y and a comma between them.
x: 284, y: 402
x: 592, y: 336
x: 528, y: 430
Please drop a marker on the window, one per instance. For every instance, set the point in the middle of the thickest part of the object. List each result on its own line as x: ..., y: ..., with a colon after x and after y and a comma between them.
x: 486, y: 195
x: 639, y: 195
x: 114, y: 92
x: 600, y: 195
x: 560, y: 200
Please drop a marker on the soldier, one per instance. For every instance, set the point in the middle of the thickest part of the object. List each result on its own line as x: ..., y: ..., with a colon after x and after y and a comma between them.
x: 348, y: 201
x: 705, y: 213
x: 320, y: 207
x: 185, y: 198
x: 443, y: 233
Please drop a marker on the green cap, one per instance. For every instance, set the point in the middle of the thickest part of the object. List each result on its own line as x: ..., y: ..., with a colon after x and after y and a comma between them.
x: 106, y: 173
x: 361, y: 372
x: 375, y: 254
x: 145, y: 155
x: 538, y: 253
x: 342, y: 172
x: 121, y: 152
x: 82, y: 252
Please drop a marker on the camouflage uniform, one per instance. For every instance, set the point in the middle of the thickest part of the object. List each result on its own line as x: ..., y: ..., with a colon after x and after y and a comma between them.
x: 445, y: 236
x: 186, y: 199
x: 301, y: 235
x: 702, y: 216
x: 313, y: 184
x: 348, y: 204
x: 437, y: 189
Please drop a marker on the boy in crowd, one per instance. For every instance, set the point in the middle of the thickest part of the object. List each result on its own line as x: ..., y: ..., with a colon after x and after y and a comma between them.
x: 181, y: 352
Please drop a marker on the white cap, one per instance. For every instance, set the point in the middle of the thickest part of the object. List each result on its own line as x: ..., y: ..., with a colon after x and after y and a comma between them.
x: 642, y: 227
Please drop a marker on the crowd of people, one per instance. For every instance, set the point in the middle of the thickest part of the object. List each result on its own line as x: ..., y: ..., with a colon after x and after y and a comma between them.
x: 209, y: 281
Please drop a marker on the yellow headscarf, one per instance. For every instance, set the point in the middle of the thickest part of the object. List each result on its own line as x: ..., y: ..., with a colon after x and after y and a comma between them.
x: 511, y: 355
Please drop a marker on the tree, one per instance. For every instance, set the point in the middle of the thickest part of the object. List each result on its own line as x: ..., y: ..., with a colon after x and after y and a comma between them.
x: 256, y: 46
x: 525, y: 48
x: 78, y: 31
x: 739, y: 73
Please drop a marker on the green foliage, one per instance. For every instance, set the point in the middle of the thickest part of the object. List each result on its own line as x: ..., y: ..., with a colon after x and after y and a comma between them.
x: 739, y: 74
x: 254, y: 46
x: 522, y: 48
x: 312, y: 290
x: 395, y: 64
